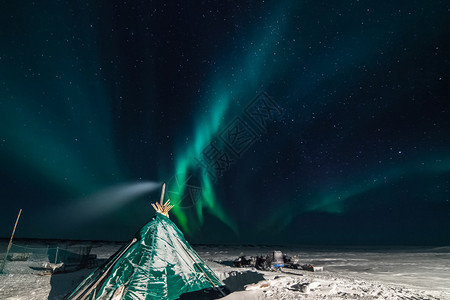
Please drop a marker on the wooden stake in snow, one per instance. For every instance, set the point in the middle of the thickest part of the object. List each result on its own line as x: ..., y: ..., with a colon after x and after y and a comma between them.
x: 10, y: 240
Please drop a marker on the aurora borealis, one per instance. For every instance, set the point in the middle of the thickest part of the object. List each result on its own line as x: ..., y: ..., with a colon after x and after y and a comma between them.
x: 122, y: 96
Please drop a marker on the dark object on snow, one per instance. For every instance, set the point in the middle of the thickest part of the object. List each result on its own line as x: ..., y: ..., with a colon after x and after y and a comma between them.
x: 53, y: 268
x: 277, y: 259
x: 262, y: 263
x: 245, y: 262
x: 18, y: 256
x: 273, y: 262
x: 291, y: 262
x: 312, y: 268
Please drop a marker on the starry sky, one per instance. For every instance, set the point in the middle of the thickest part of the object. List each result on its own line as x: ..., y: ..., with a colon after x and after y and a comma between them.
x: 272, y: 122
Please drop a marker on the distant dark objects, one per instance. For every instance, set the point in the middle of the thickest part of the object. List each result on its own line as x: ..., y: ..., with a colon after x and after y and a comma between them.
x: 312, y: 268
x: 262, y: 262
x: 245, y: 262
x: 273, y: 262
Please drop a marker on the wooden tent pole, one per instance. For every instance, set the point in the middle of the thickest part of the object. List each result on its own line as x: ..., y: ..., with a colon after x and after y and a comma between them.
x: 10, y: 240
x: 162, y: 194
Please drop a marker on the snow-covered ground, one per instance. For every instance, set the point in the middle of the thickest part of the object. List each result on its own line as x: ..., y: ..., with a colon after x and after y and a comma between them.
x: 349, y: 273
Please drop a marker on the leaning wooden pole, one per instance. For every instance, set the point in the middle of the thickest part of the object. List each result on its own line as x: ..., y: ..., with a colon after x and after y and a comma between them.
x: 161, y: 201
x: 10, y: 241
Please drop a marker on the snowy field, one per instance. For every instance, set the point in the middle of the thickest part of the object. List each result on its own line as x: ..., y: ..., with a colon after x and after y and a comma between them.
x: 349, y: 273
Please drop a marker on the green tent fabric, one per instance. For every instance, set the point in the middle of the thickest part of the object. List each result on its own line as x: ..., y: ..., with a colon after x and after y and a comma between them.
x: 157, y: 264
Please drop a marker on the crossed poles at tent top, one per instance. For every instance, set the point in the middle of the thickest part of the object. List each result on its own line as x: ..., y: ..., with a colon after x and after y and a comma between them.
x: 161, y: 207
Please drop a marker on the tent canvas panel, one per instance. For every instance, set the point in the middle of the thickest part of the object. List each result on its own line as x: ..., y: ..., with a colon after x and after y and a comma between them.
x: 158, y: 264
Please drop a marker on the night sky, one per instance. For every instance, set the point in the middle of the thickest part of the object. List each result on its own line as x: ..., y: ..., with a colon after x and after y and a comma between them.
x: 273, y: 122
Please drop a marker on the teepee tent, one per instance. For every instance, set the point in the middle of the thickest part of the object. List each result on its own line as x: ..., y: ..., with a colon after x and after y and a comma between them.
x: 157, y: 264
